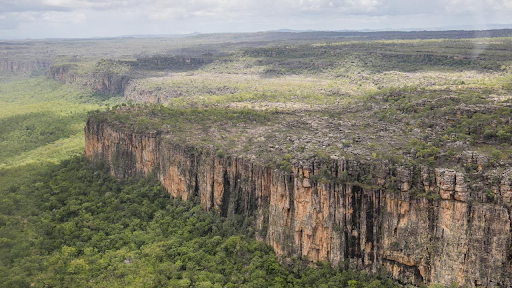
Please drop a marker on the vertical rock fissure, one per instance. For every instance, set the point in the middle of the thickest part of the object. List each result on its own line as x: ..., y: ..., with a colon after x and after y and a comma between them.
x: 378, y: 238
x: 300, y: 242
x: 355, y: 252
x: 196, y: 185
x: 290, y: 187
x: 226, y: 193
x: 212, y: 185
x: 432, y: 224
x: 411, y: 237
x: 236, y: 194
x: 346, y: 240
x: 369, y: 227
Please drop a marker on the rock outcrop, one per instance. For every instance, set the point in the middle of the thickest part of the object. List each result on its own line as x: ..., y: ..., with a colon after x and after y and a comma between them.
x: 133, y: 92
x: 104, y: 83
x: 172, y: 63
x: 435, y: 226
x: 136, y: 91
x: 20, y: 66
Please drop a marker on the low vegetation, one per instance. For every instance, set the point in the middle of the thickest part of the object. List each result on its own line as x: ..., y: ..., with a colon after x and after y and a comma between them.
x: 42, y: 120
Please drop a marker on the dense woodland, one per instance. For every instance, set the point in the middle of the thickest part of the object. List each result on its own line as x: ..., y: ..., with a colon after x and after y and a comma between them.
x: 75, y: 226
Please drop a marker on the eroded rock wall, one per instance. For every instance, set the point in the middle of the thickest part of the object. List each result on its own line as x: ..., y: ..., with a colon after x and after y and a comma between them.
x: 20, y: 66
x: 104, y: 83
x: 326, y: 212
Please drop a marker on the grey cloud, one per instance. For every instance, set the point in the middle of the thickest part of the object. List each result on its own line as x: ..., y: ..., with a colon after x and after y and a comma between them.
x: 13, y: 6
x: 179, y: 8
x: 9, y: 6
x: 208, y: 15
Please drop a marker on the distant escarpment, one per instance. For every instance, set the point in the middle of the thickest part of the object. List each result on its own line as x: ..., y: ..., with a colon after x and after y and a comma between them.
x: 171, y: 63
x: 104, y: 79
x: 113, y: 76
x: 156, y: 91
x: 135, y: 92
x: 23, y: 66
x: 419, y: 224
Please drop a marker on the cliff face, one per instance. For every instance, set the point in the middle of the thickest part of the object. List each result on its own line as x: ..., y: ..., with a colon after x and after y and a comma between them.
x: 338, y: 210
x: 11, y: 65
x: 104, y: 83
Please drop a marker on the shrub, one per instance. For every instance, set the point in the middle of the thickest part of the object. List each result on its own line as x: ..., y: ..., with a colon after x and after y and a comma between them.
x: 503, y: 135
x: 488, y: 134
x: 220, y: 153
x: 490, y: 194
x: 496, y: 155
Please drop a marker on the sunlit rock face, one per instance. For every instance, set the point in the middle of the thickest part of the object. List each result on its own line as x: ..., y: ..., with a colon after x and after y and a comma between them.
x: 431, y: 228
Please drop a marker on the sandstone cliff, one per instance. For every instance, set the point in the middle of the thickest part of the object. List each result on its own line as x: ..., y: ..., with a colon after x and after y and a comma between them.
x: 100, y: 82
x: 338, y: 210
x: 14, y: 65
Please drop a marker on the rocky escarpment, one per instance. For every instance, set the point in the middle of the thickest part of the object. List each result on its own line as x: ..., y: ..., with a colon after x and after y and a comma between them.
x: 172, y: 63
x: 113, y: 76
x: 100, y: 82
x: 136, y: 91
x: 17, y: 66
x: 418, y: 224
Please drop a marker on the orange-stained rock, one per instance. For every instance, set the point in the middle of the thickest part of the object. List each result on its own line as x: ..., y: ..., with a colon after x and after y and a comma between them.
x: 506, y: 187
x: 404, y: 178
x: 445, y: 180
x: 414, y: 238
x: 461, y: 189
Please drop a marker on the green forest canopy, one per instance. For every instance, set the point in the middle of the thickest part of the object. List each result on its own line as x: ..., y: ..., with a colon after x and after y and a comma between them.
x: 78, y: 227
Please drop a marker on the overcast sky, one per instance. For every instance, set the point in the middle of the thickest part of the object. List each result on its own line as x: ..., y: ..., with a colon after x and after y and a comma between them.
x: 100, y: 18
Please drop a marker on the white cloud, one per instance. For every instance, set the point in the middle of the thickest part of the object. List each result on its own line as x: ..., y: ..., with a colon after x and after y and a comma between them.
x: 204, y: 15
x: 63, y: 17
x: 477, y: 6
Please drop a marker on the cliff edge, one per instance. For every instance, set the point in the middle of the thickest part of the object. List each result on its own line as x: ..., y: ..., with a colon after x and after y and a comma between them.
x: 418, y: 223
